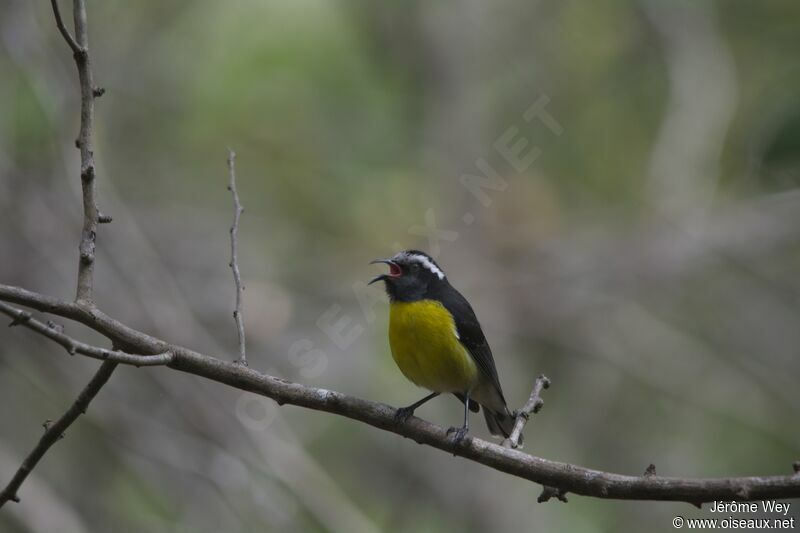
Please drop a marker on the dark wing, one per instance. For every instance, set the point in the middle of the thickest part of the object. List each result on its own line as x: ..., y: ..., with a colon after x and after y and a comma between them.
x: 469, y: 332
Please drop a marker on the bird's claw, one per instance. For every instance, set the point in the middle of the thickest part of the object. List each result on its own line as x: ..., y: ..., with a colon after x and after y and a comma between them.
x: 458, y: 433
x: 403, y: 414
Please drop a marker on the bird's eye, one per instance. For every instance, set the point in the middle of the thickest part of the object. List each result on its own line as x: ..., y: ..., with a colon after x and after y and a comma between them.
x: 414, y: 267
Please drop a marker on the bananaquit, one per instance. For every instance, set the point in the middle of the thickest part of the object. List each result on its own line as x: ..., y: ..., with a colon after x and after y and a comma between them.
x: 437, y: 342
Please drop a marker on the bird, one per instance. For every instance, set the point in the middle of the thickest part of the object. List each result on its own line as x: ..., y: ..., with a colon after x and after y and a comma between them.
x: 438, y: 344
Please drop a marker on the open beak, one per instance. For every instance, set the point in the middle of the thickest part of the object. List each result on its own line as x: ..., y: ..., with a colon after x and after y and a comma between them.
x: 394, y: 270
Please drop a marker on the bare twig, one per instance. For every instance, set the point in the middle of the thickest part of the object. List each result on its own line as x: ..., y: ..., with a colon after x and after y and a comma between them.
x: 234, y: 264
x: 55, y: 431
x: 83, y: 294
x: 80, y: 47
x: 74, y: 346
x: 63, y: 29
x: 533, y: 405
x: 562, y: 476
x: 126, y: 338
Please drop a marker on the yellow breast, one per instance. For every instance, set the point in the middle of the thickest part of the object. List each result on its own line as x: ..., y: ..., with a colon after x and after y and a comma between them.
x: 426, y: 348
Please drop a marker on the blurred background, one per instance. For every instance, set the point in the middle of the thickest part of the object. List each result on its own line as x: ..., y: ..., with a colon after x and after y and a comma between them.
x: 612, y: 184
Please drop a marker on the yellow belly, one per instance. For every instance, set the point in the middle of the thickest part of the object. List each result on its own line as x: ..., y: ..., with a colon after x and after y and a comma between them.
x: 426, y: 348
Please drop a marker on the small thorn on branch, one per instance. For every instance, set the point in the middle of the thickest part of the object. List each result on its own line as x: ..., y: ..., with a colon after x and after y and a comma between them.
x: 102, y: 218
x: 55, y: 327
x: 650, y: 471
x: 796, y: 467
x: 552, y: 492
x: 47, y: 424
x: 538, y: 405
x: 87, y: 172
x: 97, y: 92
x: 533, y: 405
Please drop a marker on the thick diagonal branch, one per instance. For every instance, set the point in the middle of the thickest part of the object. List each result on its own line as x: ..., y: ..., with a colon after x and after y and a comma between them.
x: 562, y: 476
x: 55, y: 431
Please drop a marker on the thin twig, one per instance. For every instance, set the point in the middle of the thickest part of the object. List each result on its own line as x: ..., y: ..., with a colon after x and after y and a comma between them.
x: 63, y: 29
x: 55, y: 431
x: 86, y: 147
x: 533, y: 405
x: 562, y: 476
x: 125, y: 337
x: 234, y: 263
x: 74, y: 346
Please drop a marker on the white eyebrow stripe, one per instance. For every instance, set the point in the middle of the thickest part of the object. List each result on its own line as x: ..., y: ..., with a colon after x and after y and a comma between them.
x: 427, y: 263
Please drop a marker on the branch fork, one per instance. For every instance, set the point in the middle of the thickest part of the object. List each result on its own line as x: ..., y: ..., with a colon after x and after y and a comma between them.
x: 533, y: 405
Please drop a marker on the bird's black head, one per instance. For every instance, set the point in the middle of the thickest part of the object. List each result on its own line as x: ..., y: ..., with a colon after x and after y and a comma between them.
x: 411, y: 274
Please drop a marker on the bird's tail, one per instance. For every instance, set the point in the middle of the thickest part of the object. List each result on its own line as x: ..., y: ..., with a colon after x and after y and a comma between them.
x: 500, y: 423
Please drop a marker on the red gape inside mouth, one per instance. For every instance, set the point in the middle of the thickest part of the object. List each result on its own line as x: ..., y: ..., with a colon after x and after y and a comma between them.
x: 395, y: 270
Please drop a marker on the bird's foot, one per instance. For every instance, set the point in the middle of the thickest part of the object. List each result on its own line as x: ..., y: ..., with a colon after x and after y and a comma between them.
x: 458, y: 433
x: 403, y: 414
